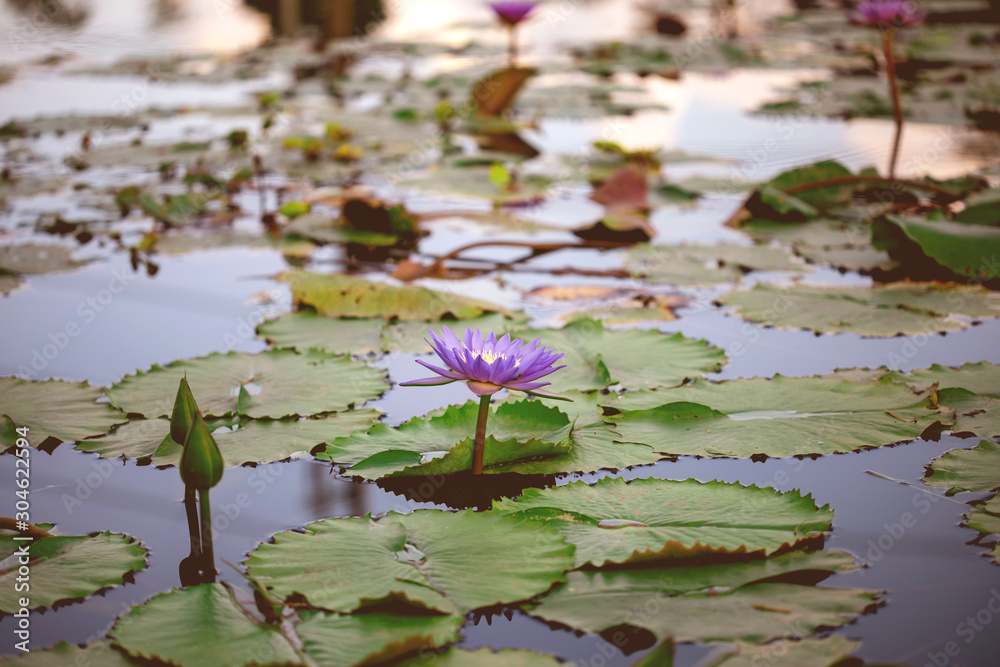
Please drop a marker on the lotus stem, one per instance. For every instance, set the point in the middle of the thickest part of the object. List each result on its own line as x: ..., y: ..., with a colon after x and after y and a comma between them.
x: 207, y: 552
x: 477, y: 452
x: 194, y: 526
x: 512, y: 46
x: 897, y: 107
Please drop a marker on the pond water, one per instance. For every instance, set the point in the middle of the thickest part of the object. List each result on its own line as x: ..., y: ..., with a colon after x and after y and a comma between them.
x: 210, y: 301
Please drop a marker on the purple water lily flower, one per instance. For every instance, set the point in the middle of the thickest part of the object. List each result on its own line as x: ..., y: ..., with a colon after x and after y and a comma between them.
x: 886, y: 14
x: 513, y: 13
x: 488, y: 365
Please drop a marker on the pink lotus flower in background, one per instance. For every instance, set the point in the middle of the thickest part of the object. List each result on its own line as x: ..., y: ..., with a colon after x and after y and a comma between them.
x: 488, y: 365
x: 513, y: 13
x: 886, y: 14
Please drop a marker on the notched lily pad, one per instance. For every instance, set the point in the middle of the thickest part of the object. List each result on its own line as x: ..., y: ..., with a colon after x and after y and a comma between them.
x: 344, y: 564
x: 65, y: 411
x: 346, y: 296
x: 98, y: 654
x: 274, y: 384
x: 885, y: 310
x: 200, y: 625
x: 596, y: 357
x: 519, y: 432
x: 70, y: 567
x: 738, y: 418
x: 615, y: 522
x: 34, y: 258
x: 251, y: 442
x: 707, y: 264
x: 482, y: 657
x: 686, y: 602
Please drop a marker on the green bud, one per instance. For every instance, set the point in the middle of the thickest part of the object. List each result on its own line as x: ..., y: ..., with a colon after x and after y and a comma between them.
x: 183, y: 414
x: 201, y: 463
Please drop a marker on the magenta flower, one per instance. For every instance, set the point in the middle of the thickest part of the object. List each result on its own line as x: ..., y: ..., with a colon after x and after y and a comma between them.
x: 489, y: 365
x: 513, y: 13
x: 886, y: 14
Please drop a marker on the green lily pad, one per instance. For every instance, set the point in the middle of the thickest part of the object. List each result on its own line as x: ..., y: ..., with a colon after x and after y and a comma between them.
x: 71, y: 567
x: 982, y: 208
x: 594, y: 443
x: 483, y: 657
x: 687, y: 602
x: 614, y: 522
x: 967, y: 249
x: 978, y: 415
x: 807, y: 652
x: 739, y: 418
x: 906, y: 308
x: 345, y: 296
x: 429, y: 558
x: 597, y: 357
x: 200, y: 625
x: 707, y: 264
x: 976, y: 469
x: 982, y: 378
x: 306, y: 329
x: 66, y: 411
x: 333, y: 640
x: 820, y: 198
x: 35, y: 258
x: 253, y: 442
x: 290, y: 383
x: 517, y: 431
x: 845, y: 244
x: 98, y: 654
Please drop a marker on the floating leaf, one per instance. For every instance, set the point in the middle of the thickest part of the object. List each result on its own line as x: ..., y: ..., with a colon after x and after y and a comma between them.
x: 809, y: 652
x: 594, y: 443
x: 870, y: 311
x: 53, y: 409
x: 200, y: 625
x: 707, y: 264
x: 982, y: 208
x: 970, y: 250
x: 461, y: 561
x: 63, y: 654
x: 614, y: 522
x: 844, y: 244
x: 596, y: 357
x: 305, y: 330
x: 741, y: 418
x: 33, y: 258
x: 495, y: 92
x: 974, y: 414
x: 345, y: 296
x: 687, y: 602
x: 976, y: 469
x: 253, y: 442
x: 982, y: 378
x: 70, y: 567
x: 517, y: 431
x: 333, y: 640
x: 289, y: 383
x: 821, y: 198
x: 482, y: 657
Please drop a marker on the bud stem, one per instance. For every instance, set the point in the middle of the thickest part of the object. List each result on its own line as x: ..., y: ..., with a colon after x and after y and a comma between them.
x: 477, y: 452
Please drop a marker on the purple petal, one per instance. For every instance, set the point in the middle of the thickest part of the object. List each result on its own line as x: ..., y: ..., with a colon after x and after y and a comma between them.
x: 512, y: 12
x: 525, y: 386
x: 426, y: 382
x: 441, y: 371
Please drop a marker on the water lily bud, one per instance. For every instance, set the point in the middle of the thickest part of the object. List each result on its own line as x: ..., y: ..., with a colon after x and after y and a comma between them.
x: 201, y: 463
x: 183, y: 414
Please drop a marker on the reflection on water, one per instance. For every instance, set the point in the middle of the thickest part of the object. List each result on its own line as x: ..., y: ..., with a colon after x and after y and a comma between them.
x: 107, y: 30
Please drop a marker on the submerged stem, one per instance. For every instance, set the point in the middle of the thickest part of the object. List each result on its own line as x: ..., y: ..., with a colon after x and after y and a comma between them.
x: 512, y: 47
x: 477, y: 452
x: 897, y: 107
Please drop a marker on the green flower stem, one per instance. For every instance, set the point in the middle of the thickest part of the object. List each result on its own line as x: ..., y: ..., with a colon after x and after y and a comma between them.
x: 207, y: 552
x: 477, y: 452
x: 512, y: 47
x: 194, y: 528
x: 897, y: 107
